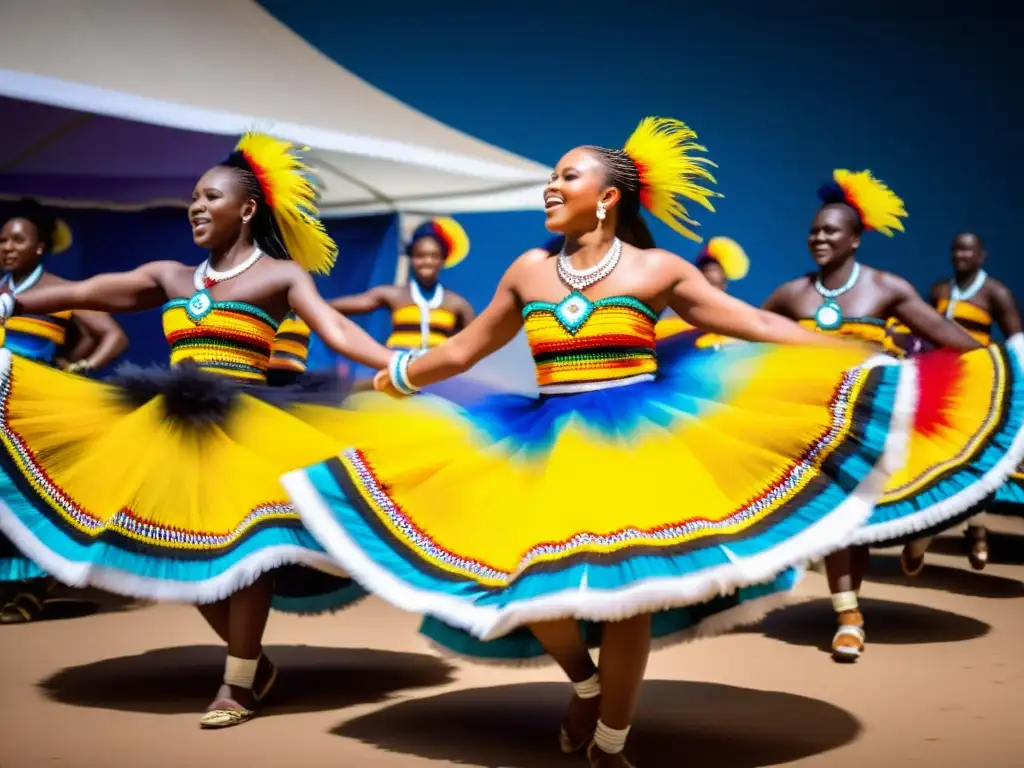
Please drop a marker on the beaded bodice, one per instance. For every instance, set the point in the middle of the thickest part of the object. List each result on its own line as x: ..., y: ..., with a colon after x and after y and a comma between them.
x: 290, y: 348
x: 973, y: 319
x: 579, y: 344
x: 234, y: 339
x: 36, y: 336
x: 875, y: 331
x: 407, y: 334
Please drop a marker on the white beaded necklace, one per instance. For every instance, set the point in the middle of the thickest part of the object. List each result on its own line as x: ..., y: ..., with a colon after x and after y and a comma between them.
x: 24, y: 285
x: 205, y: 277
x: 425, y: 307
x: 829, y: 315
x: 956, y: 295
x: 581, y: 279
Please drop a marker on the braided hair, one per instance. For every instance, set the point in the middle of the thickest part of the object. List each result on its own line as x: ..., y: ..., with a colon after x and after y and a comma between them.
x: 622, y: 173
x: 265, y: 232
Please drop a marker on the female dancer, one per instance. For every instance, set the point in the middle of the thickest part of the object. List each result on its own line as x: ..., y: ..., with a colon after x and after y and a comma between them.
x: 975, y: 301
x: 720, y: 261
x: 959, y: 454
x: 424, y: 313
x: 531, y: 525
x: 164, y: 484
x: 29, y: 236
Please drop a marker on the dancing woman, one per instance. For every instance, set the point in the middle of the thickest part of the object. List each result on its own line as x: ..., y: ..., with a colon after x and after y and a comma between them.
x: 967, y: 427
x: 976, y: 302
x: 424, y: 313
x: 163, y: 484
x: 28, y: 237
x: 524, y: 526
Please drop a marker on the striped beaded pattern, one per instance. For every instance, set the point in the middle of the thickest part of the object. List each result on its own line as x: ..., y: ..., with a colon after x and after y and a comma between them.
x: 869, y: 329
x: 290, y: 350
x: 972, y: 318
x: 234, y: 340
x: 37, y: 337
x: 616, y: 340
x: 405, y: 327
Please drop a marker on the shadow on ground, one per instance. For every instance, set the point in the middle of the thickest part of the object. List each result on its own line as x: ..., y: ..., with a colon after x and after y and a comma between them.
x: 885, y: 569
x: 185, y: 679
x: 811, y: 624
x: 677, y: 723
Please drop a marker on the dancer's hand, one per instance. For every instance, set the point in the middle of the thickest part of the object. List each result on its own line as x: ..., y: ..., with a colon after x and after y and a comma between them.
x: 382, y: 383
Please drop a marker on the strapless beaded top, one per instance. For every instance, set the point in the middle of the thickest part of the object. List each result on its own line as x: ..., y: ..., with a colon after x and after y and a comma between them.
x: 407, y: 334
x: 290, y: 348
x: 234, y: 339
x: 37, y: 337
x: 881, y: 333
x: 972, y: 318
x: 580, y: 345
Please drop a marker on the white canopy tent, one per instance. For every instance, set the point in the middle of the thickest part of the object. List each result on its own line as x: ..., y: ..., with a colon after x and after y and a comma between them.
x: 205, y: 68
x: 121, y: 104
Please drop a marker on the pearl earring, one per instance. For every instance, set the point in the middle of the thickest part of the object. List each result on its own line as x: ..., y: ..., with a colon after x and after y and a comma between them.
x: 601, y: 213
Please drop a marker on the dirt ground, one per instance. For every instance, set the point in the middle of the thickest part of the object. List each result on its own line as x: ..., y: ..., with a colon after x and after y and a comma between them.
x: 941, y: 684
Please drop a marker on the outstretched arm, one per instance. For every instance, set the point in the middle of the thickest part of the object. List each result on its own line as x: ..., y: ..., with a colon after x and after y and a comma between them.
x: 107, y: 336
x: 1004, y: 310
x: 924, y: 321
x: 361, y: 303
x: 695, y: 300
x: 134, y: 291
x: 338, y: 332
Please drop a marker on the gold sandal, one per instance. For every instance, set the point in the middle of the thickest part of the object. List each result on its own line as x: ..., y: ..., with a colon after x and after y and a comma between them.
x: 225, y: 716
x: 25, y: 607
x: 845, y: 652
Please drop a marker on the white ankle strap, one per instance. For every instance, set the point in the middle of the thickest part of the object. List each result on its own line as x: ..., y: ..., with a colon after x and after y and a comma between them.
x: 240, y: 673
x: 609, y: 740
x: 589, y: 688
x: 844, y: 601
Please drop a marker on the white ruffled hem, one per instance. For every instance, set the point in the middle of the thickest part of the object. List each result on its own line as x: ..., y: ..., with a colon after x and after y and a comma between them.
x: 643, y: 596
x: 947, y: 509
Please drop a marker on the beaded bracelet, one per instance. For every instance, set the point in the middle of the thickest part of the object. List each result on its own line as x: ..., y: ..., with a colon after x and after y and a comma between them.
x: 398, y: 371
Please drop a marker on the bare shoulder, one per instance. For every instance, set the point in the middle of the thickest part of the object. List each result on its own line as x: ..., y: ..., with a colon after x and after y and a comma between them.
x: 997, y: 288
x: 889, y: 282
x: 790, y: 287
x: 660, y: 260
x: 527, y: 262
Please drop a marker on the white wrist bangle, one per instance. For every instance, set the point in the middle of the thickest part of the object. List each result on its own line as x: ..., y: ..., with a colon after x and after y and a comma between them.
x: 398, y: 371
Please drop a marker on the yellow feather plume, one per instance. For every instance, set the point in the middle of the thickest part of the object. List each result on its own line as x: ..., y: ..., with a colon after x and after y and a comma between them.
x: 663, y: 149
x: 61, y: 238
x: 456, y: 237
x: 292, y: 198
x: 730, y: 255
x: 879, y: 207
